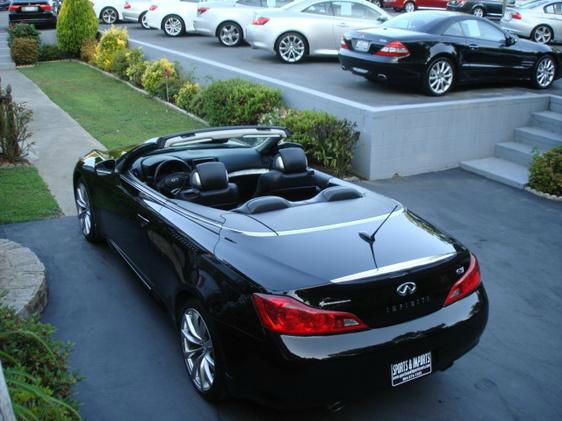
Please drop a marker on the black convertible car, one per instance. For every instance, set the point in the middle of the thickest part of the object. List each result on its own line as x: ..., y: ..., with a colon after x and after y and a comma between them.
x: 437, y: 50
x: 287, y: 285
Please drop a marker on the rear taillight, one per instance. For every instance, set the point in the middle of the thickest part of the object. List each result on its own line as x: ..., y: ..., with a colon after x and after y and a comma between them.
x: 260, y: 21
x: 153, y: 7
x: 46, y: 7
x: 13, y: 8
x: 467, y: 284
x: 127, y: 5
x: 516, y: 15
x: 201, y: 10
x: 288, y: 316
x: 344, y: 44
x: 393, y: 49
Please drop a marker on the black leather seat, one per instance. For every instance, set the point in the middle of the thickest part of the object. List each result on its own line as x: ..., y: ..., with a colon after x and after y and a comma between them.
x: 210, y: 187
x: 289, y: 177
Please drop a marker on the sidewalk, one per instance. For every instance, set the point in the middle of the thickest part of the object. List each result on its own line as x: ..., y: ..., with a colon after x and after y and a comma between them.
x: 58, y: 140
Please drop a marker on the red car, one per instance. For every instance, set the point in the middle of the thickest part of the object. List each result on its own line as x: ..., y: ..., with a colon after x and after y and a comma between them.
x: 411, y: 5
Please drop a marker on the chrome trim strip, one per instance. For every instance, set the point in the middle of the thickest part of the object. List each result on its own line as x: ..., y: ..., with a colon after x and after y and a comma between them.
x: 129, y: 262
x: 253, y: 171
x: 409, y: 264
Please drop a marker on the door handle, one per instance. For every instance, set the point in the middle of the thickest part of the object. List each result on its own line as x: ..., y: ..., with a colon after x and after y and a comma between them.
x: 343, y: 24
x: 473, y: 46
x: 142, y: 220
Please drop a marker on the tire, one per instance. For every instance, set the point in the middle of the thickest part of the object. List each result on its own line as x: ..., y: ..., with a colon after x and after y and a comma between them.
x: 409, y: 7
x: 299, y: 46
x: 204, y: 349
x: 230, y: 34
x: 173, y: 26
x: 142, y: 21
x: 109, y: 15
x: 544, y: 72
x: 378, y: 3
x: 86, y: 212
x: 479, y: 11
x: 439, y: 77
x: 542, y: 34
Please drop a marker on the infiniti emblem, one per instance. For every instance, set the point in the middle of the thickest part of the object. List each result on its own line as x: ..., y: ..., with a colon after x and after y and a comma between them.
x: 407, y: 288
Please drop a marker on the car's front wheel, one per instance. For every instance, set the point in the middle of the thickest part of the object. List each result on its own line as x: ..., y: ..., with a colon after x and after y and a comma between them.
x: 292, y: 47
x: 230, y: 34
x: 545, y: 71
x: 85, y: 210
x: 109, y: 15
x: 144, y: 21
x: 542, y: 34
x: 479, y: 11
x: 202, y: 352
x: 173, y: 26
x: 439, y: 77
x: 378, y: 3
x: 410, y: 6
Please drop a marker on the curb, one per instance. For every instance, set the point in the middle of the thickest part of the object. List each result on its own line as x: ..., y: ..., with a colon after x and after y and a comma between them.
x: 544, y: 195
x: 23, y: 284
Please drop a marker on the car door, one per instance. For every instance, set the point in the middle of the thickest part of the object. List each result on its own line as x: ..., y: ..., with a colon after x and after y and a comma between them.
x: 349, y: 16
x: 553, y: 17
x: 317, y: 21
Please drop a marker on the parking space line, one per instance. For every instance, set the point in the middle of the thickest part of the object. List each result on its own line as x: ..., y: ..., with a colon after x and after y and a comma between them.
x: 254, y: 75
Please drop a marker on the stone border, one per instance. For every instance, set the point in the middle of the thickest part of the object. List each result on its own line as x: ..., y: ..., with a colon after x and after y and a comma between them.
x: 544, y: 195
x: 23, y: 284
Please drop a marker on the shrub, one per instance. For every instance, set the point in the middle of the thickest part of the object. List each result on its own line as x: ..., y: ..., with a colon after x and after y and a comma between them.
x: 120, y: 64
x: 14, y: 134
x: 326, y: 140
x: 37, y: 373
x: 236, y: 102
x: 168, y: 89
x: 24, y: 51
x: 49, y: 52
x: 186, y: 94
x: 76, y: 23
x: 545, y: 173
x: 157, y: 74
x: 112, y: 41
x: 22, y: 30
x: 88, y: 51
x: 136, y: 66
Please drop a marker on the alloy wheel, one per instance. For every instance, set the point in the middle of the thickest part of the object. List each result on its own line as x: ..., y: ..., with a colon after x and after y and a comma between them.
x: 198, y: 351
x: 144, y: 22
x: 84, y: 209
x: 440, y: 77
x: 109, y: 15
x: 478, y: 12
x: 173, y: 26
x: 542, y: 34
x: 230, y: 35
x: 292, y: 48
x: 409, y: 7
x: 545, y: 72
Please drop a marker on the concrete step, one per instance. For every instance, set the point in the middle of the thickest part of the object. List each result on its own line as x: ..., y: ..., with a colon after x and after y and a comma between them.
x: 518, y: 153
x: 500, y: 170
x: 548, y: 120
x: 7, y: 66
x: 536, y: 136
x: 556, y: 104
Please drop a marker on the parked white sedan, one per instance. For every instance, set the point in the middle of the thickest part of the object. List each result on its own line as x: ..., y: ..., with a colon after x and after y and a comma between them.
x: 175, y: 17
x: 228, y: 23
x: 311, y: 27
x: 108, y: 11
x: 135, y: 11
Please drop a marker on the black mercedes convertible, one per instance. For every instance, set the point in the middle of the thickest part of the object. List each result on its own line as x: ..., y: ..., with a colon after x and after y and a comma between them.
x: 286, y: 285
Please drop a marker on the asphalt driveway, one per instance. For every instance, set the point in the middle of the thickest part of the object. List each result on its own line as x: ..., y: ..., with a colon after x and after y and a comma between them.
x: 127, y: 349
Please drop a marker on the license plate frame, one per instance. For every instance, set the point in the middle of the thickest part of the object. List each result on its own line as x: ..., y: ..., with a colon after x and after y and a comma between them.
x: 362, y: 46
x: 410, y: 369
x: 29, y: 9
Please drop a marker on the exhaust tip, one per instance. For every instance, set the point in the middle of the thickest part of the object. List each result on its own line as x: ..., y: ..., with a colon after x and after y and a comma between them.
x: 382, y: 76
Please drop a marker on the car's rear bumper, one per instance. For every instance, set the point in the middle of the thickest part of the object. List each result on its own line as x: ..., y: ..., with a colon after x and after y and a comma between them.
x: 304, y: 371
x: 33, y: 18
x: 131, y: 15
x: 203, y: 27
x: 517, y: 27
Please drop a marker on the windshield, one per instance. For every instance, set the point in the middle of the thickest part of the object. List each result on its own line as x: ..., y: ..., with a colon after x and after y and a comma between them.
x: 247, y: 141
x: 530, y: 4
x: 411, y: 21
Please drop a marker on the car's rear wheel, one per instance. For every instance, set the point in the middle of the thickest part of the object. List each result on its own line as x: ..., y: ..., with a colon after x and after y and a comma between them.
x: 542, y: 34
x: 292, y: 47
x: 86, y: 214
x: 109, y: 15
x: 410, y: 6
x: 378, y: 3
x: 479, y: 11
x: 143, y: 21
x: 439, y: 77
x: 173, y: 26
x: 202, y: 352
x: 545, y: 71
x: 230, y: 34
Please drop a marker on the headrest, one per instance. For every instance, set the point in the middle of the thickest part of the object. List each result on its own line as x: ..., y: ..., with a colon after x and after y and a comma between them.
x: 209, y: 176
x: 263, y: 204
x: 290, y: 161
x: 333, y: 194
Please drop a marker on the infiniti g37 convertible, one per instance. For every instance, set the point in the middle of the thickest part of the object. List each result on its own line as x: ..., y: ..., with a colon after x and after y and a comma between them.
x: 287, y: 285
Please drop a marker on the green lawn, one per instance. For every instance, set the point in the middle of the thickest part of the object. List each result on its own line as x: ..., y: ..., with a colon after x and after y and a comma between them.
x: 24, y: 196
x: 111, y: 111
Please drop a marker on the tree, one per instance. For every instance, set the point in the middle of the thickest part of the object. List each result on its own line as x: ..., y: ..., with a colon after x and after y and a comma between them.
x: 77, y: 22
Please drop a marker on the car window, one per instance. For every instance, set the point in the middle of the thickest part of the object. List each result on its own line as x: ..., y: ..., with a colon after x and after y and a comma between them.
x: 482, y: 30
x: 411, y: 21
x: 554, y: 9
x: 319, y: 9
x: 353, y: 10
x: 455, y: 30
x: 274, y: 3
x: 253, y: 3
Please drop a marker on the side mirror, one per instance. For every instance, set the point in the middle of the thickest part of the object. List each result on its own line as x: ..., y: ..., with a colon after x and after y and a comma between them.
x: 105, y: 167
x: 382, y: 18
x: 510, y: 40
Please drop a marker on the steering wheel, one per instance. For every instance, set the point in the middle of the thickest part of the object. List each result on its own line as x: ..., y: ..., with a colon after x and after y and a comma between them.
x: 171, y: 176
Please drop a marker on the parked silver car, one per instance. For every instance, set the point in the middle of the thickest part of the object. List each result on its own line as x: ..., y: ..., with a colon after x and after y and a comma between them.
x: 311, y: 27
x: 539, y: 20
x: 228, y: 23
